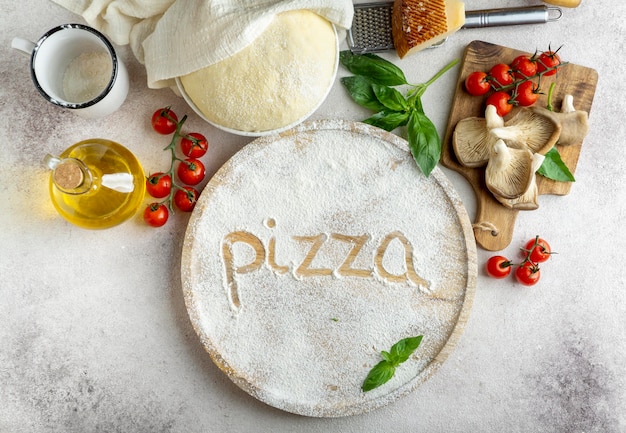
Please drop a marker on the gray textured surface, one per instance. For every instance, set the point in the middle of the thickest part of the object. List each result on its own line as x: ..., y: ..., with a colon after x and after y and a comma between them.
x: 94, y: 335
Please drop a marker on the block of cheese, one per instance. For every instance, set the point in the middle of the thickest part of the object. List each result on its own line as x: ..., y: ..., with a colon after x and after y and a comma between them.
x: 418, y: 24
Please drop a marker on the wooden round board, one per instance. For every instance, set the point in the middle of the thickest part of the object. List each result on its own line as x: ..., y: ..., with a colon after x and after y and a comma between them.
x: 311, y: 251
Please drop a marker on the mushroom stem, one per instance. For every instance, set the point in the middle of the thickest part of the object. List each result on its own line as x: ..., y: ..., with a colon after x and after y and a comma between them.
x: 568, y: 104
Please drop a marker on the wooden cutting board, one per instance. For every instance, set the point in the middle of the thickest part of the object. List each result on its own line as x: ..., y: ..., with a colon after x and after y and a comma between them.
x: 494, y: 223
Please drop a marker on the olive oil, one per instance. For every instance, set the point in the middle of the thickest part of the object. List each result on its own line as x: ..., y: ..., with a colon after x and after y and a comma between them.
x: 96, y: 183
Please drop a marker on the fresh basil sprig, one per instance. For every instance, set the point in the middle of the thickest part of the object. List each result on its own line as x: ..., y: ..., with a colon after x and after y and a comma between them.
x: 372, y: 87
x: 382, y: 372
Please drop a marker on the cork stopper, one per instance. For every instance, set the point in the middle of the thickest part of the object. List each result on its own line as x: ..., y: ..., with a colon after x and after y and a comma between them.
x: 68, y: 175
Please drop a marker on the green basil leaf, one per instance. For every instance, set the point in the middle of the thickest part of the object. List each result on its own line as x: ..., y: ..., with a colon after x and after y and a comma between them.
x: 386, y: 356
x: 388, y: 120
x: 424, y: 141
x: 372, y: 66
x: 380, y: 374
x: 389, y: 97
x: 360, y: 89
x: 554, y: 168
x: 401, y: 351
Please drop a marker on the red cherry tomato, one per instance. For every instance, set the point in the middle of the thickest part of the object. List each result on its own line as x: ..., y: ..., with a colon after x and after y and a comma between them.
x: 155, y: 214
x: 527, y: 274
x: 477, y: 83
x: 185, y: 199
x: 524, y: 66
x: 502, y: 101
x: 159, y: 185
x: 191, y: 171
x: 547, y: 60
x: 194, y: 145
x: 527, y: 93
x: 501, y: 74
x: 164, y: 121
x: 538, y: 250
x: 498, y: 267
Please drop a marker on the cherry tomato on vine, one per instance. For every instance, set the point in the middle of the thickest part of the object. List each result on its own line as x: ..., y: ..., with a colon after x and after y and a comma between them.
x: 185, y: 199
x: 527, y: 93
x: 501, y: 74
x: 498, y: 267
x: 156, y: 214
x: 524, y: 66
x: 191, y: 171
x: 477, y: 83
x: 546, y: 60
x: 527, y: 274
x: 164, y: 121
x: 502, y: 102
x: 194, y: 145
x: 159, y: 185
x: 539, y: 250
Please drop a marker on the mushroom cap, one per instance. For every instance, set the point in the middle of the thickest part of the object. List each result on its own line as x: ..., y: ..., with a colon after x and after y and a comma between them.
x: 574, y: 124
x: 534, y: 129
x: 527, y: 201
x: 510, y: 171
x: 472, y: 140
x: 530, y: 199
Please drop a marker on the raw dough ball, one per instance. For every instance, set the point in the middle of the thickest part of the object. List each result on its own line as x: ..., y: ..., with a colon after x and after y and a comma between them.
x: 282, y: 77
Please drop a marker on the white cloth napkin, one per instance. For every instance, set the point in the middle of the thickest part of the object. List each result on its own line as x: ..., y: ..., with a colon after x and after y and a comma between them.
x: 175, y: 37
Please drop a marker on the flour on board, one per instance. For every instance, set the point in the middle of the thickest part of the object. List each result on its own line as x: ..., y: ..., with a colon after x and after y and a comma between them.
x: 304, y: 342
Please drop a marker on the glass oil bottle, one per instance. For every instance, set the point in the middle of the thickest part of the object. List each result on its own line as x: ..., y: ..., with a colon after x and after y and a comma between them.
x: 96, y: 183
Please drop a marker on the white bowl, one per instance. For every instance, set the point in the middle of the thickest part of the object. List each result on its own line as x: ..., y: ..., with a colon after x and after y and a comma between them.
x: 195, y: 108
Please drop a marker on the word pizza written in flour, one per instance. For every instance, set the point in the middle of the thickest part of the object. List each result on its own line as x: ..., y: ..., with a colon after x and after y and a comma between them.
x: 304, y: 269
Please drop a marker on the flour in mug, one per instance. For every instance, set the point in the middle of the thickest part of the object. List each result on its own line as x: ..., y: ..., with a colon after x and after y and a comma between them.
x: 87, y: 76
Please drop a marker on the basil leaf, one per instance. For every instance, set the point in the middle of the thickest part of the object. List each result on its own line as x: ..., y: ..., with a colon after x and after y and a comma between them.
x: 360, y: 89
x: 389, y: 97
x: 372, y: 66
x: 385, y: 369
x: 424, y: 141
x: 386, y: 356
x: 554, y: 168
x: 401, y: 351
x: 380, y: 374
x: 388, y: 120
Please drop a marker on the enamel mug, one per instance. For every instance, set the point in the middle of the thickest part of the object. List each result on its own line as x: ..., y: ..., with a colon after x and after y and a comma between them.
x: 75, y: 66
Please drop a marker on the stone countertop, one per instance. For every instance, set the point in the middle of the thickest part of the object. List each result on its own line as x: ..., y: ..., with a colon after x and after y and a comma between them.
x: 95, y: 336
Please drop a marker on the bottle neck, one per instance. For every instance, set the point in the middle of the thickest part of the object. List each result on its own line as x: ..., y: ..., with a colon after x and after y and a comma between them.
x: 70, y: 175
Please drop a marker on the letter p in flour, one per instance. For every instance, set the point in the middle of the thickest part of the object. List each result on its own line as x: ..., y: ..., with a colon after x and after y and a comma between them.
x: 232, y: 269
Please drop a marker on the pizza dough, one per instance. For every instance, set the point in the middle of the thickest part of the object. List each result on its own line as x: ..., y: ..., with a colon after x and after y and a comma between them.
x: 278, y: 80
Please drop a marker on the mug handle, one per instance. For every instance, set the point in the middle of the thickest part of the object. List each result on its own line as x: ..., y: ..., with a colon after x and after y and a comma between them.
x: 23, y: 45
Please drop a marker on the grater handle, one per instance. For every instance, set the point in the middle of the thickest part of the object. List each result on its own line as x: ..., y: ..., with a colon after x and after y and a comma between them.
x: 511, y: 16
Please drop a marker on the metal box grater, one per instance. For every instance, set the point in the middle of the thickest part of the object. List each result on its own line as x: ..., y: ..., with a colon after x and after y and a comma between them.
x: 371, y: 28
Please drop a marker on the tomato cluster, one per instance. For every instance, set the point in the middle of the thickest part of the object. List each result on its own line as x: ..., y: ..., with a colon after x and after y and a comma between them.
x: 516, y: 83
x: 189, y: 171
x: 527, y: 272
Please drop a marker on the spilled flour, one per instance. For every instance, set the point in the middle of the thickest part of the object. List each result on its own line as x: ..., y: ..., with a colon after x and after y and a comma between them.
x: 310, y: 253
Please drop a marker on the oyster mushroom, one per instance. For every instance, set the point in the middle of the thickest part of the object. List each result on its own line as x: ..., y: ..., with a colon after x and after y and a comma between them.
x: 509, y: 172
x: 574, y: 123
x: 472, y: 140
x: 531, y: 129
x: 530, y: 199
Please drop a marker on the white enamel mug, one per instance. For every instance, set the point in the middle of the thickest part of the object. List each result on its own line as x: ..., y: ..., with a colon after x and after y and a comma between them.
x: 74, y: 66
